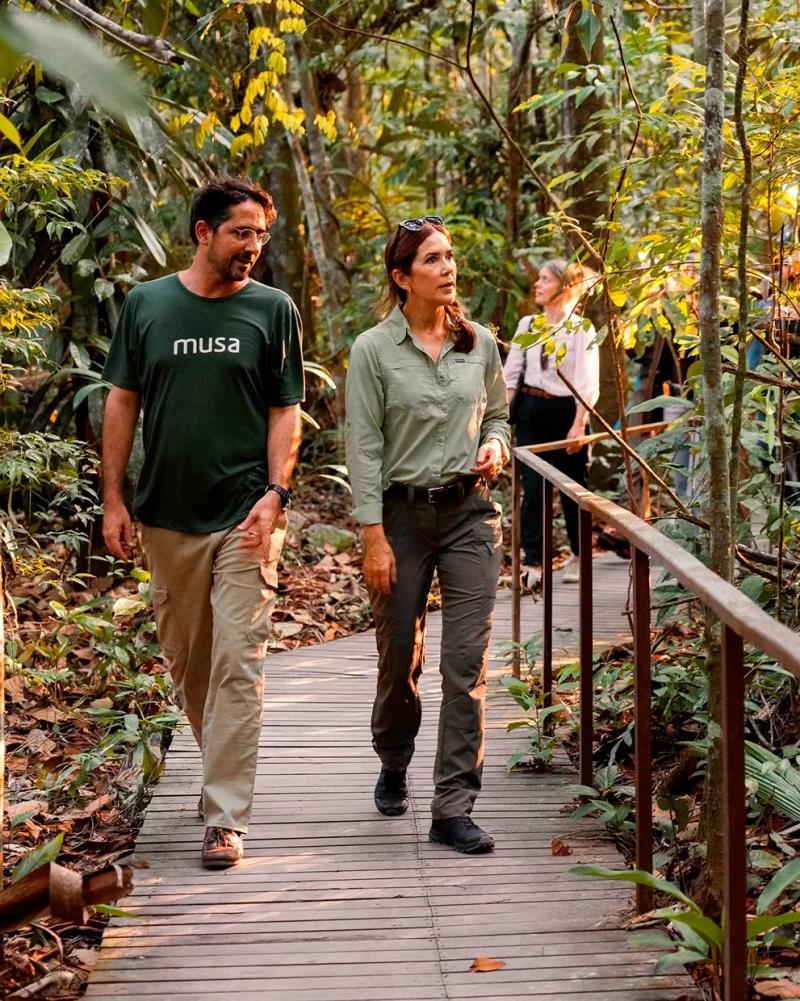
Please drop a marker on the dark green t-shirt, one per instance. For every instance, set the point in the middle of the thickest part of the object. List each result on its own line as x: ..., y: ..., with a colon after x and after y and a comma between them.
x: 208, y: 371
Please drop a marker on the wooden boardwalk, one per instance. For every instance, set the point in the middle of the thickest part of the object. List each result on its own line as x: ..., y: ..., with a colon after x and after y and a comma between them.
x: 335, y: 903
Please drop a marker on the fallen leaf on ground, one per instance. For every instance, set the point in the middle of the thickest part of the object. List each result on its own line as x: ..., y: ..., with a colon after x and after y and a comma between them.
x: 38, y: 743
x: 559, y: 847
x: 49, y: 714
x: 86, y: 957
x: 778, y: 989
x: 485, y: 965
x: 15, y: 688
x: 26, y: 806
x: 287, y: 629
x: 105, y: 703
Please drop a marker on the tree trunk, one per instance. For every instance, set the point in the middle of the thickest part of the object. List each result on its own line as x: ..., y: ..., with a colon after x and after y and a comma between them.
x: 718, y: 514
x: 590, y: 200
x: 518, y: 77
x: 321, y: 174
x: 284, y: 263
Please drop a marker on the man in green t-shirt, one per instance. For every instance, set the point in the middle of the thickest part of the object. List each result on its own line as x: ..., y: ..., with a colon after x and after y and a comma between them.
x: 214, y: 359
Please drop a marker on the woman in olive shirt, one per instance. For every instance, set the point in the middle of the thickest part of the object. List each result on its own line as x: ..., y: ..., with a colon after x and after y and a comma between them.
x: 426, y: 427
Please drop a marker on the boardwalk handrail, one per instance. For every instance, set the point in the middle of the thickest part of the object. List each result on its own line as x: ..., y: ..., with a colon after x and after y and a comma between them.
x: 742, y: 620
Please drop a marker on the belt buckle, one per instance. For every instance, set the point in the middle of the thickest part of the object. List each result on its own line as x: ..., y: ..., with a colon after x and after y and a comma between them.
x: 436, y: 491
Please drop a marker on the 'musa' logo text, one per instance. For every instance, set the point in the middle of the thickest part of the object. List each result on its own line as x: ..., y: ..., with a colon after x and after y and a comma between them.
x: 206, y: 345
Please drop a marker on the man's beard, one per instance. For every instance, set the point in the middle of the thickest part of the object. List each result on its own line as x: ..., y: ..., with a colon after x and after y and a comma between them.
x: 231, y: 269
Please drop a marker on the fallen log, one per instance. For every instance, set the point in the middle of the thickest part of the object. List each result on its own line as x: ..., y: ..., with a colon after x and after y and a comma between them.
x: 62, y: 892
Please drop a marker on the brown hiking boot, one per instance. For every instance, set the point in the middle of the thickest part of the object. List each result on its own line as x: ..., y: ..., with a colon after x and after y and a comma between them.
x: 221, y: 848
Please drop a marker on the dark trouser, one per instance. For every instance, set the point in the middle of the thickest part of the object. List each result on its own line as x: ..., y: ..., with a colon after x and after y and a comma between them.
x: 540, y: 421
x: 462, y: 542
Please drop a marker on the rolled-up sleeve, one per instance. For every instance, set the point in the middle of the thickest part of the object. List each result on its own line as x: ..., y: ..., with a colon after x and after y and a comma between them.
x: 586, y: 371
x: 495, y: 417
x: 363, y: 432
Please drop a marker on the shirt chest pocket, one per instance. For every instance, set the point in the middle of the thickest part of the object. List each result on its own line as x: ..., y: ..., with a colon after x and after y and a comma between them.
x: 413, y: 386
x: 467, y: 384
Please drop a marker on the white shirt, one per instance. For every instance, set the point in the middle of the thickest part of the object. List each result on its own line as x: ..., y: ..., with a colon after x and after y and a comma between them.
x: 581, y: 364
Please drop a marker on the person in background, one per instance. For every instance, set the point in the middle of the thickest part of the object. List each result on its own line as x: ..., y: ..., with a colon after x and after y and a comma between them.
x: 215, y: 361
x: 426, y: 427
x: 545, y: 409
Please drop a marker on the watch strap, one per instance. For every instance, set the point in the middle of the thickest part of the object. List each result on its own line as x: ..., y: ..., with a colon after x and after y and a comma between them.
x: 283, y: 492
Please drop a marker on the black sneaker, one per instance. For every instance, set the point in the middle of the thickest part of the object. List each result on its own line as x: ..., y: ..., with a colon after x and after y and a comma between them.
x: 461, y: 833
x: 391, y: 793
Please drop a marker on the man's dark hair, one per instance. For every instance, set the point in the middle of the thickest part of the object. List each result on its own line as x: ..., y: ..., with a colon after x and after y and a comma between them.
x: 213, y: 202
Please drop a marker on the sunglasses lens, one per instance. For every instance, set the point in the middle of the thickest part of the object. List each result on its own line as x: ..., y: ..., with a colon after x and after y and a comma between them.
x: 435, y: 219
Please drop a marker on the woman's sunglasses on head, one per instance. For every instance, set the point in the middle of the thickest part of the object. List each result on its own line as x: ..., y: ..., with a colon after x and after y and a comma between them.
x: 415, y: 225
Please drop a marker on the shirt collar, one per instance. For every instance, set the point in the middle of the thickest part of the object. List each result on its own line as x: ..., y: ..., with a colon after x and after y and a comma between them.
x: 396, y: 325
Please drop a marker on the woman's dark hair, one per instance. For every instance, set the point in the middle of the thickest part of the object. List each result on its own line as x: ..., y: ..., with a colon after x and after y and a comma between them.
x: 399, y: 256
x: 213, y: 202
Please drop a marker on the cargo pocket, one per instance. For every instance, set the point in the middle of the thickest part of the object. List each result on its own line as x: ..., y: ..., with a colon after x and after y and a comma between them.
x: 169, y: 634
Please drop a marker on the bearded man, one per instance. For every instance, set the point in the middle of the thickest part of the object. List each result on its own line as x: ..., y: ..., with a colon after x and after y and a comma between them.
x: 214, y: 358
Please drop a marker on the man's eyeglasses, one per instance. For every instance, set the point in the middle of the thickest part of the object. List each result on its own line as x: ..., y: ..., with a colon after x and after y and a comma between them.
x: 245, y: 235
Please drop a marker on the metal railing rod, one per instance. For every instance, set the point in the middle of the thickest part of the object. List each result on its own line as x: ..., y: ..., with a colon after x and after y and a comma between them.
x: 642, y: 733
x: 586, y: 648
x: 735, y: 609
x: 516, y: 584
x: 547, y: 592
x: 735, y: 805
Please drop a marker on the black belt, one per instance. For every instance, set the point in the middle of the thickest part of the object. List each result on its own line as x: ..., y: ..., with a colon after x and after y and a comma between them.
x: 446, y: 494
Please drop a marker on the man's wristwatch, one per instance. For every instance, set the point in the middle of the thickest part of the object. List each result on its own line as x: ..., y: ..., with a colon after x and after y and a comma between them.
x: 284, y: 493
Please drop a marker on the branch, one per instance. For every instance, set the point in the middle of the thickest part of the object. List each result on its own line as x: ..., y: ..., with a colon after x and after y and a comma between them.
x: 684, y: 511
x: 162, y: 53
x: 768, y: 380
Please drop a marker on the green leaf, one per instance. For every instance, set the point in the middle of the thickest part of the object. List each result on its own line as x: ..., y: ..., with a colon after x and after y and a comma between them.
x: 589, y: 26
x: 678, y: 959
x: 9, y: 130
x: 151, y: 241
x: 635, y: 876
x: 34, y: 139
x: 86, y: 267
x: 5, y: 245
x: 46, y: 96
x: 780, y: 881
x: 43, y: 855
x: 767, y: 922
x: 115, y: 912
x: 661, y: 401
x: 84, y: 391
x: 102, y: 289
x: 752, y: 586
x: 75, y: 249
x: 154, y: 17
x: 73, y: 56
x: 579, y: 790
x: 709, y: 930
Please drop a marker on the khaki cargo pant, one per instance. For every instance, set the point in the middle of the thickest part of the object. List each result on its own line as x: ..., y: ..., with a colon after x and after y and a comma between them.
x: 213, y: 603
x: 462, y: 542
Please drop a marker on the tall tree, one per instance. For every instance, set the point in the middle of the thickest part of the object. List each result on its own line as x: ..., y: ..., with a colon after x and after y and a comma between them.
x: 718, y: 514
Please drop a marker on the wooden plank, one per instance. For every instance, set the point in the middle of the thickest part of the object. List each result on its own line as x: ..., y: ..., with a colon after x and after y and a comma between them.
x: 335, y: 903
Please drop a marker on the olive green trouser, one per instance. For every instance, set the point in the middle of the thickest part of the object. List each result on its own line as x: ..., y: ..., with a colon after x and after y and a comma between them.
x: 461, y: 541
x: 213, y: 601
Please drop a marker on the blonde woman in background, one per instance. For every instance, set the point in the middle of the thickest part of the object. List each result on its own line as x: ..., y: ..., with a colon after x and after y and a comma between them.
x: 545, y: 410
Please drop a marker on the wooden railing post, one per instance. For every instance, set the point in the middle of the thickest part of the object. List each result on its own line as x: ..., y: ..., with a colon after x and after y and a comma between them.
x: 547, y: 591
x: 735, y: 803
x: 516, y: 584
x: 643, y: 736
x: 586, y: 648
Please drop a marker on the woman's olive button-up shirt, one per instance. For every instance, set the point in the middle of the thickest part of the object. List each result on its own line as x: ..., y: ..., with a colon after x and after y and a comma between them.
x: 412, y: 421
